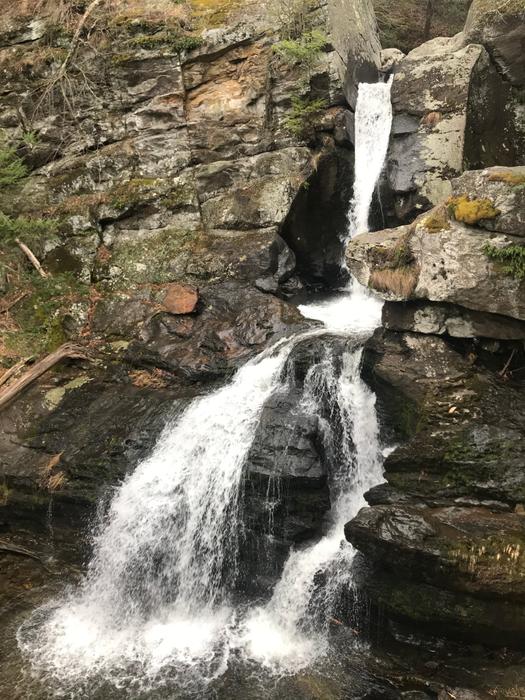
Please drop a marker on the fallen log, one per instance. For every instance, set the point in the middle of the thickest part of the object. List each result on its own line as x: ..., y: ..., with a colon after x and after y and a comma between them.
x: 66, y: 351
x: 13, y: 370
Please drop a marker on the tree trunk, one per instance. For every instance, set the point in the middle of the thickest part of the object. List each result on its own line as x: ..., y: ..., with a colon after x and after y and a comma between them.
x: 429, y: 15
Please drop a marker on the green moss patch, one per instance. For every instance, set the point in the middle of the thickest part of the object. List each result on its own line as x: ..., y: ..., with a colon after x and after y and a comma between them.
x: 39, y: 317
x: 511, y: 259
x: 149, y: 260
x: 170, y: 40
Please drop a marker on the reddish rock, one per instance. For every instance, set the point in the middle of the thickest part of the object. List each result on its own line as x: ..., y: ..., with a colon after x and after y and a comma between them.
x: 180, y: 299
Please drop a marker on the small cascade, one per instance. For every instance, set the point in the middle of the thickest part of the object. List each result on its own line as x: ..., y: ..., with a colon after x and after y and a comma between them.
x: 373, y: 124
x: 291, y: 630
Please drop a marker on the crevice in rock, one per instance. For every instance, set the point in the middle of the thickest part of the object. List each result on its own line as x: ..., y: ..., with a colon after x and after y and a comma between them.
x: 317, y: 222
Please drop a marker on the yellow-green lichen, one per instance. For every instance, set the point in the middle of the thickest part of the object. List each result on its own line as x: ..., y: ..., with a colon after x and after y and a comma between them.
x: 471, y: 211
x: 437, y: 220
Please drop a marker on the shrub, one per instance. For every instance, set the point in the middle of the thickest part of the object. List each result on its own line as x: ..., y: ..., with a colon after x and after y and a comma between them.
x: 26, y: 229
x: 12, y: 167
x: 300, y: 119
x: 305, y: 50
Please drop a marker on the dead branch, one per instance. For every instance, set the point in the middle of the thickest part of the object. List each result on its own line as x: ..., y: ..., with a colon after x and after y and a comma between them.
x: 61, y: 72
x: 66, y: 351
x: 7, y: 306
x: 503, y: 372
x: 31, y: 257
x: 13, y: 370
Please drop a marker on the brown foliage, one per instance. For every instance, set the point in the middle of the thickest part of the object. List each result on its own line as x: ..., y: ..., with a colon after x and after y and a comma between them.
x: 400, y: 281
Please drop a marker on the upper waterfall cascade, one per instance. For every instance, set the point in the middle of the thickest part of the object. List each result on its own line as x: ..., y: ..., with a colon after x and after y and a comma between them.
x: 373, y: 124
x: 157, y: 601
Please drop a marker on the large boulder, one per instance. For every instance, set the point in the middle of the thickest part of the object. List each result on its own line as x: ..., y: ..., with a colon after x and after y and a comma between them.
x: 451, y: 110
x: 354, y: 34
x: 500, y: 27
x: 468, y: 251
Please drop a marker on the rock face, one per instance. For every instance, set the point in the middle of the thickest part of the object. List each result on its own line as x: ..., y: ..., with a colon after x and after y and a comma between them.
x: 440, y: 258
x: 442, y: 543
x: 449, y: 319
x: 445, y: 117
x: 444, y: 537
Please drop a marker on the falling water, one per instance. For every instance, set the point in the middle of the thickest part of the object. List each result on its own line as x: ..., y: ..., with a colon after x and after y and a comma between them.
x: 373, y: 123
x: 286, y: 634
x: 291, y: 630
x: 155, y: 604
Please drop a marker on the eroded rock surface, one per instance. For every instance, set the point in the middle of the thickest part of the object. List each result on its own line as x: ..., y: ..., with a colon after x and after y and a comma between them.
x: 446, y: 117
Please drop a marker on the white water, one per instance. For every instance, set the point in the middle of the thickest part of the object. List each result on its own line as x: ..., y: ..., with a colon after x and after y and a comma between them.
x: 291, y: 631
x: 155, y: 603
x: 373, y: 123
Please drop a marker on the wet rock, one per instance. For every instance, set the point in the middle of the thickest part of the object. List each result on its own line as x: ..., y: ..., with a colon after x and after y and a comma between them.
x: 462, y: 549
x: 281, y: 266
x: 289, y: 466
x: 443, y: 537
x: 317, y: 222
x: 83, y: 432
x: 450, y: 319
x: 235, y: 323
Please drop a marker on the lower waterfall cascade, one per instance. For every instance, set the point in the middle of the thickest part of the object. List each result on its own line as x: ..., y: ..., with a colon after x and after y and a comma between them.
x: 157, y: 602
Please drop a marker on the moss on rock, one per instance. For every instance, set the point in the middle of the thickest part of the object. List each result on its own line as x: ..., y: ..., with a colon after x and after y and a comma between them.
x: 471, y: 211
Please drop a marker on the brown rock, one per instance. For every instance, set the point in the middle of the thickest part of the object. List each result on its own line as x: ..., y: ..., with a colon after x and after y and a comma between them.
x: 181, y: 299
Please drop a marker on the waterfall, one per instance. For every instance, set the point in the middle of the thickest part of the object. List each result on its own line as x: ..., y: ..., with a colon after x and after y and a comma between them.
x: 156, y: 604
x: 373, y: 124
x: 291, y: 630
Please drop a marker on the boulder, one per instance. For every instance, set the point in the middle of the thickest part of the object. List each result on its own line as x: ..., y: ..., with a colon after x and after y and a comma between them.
x: 289, y: 466
x: 180, y: 299
x: 353, y: 31
x: 501, y: 29
x: 390, y: 58
x: 443, y: 539
x: 450, y: 319
x: 457, y: 253
x: 451, y: 108
x: 504, y: 187
x: 234, y: 324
